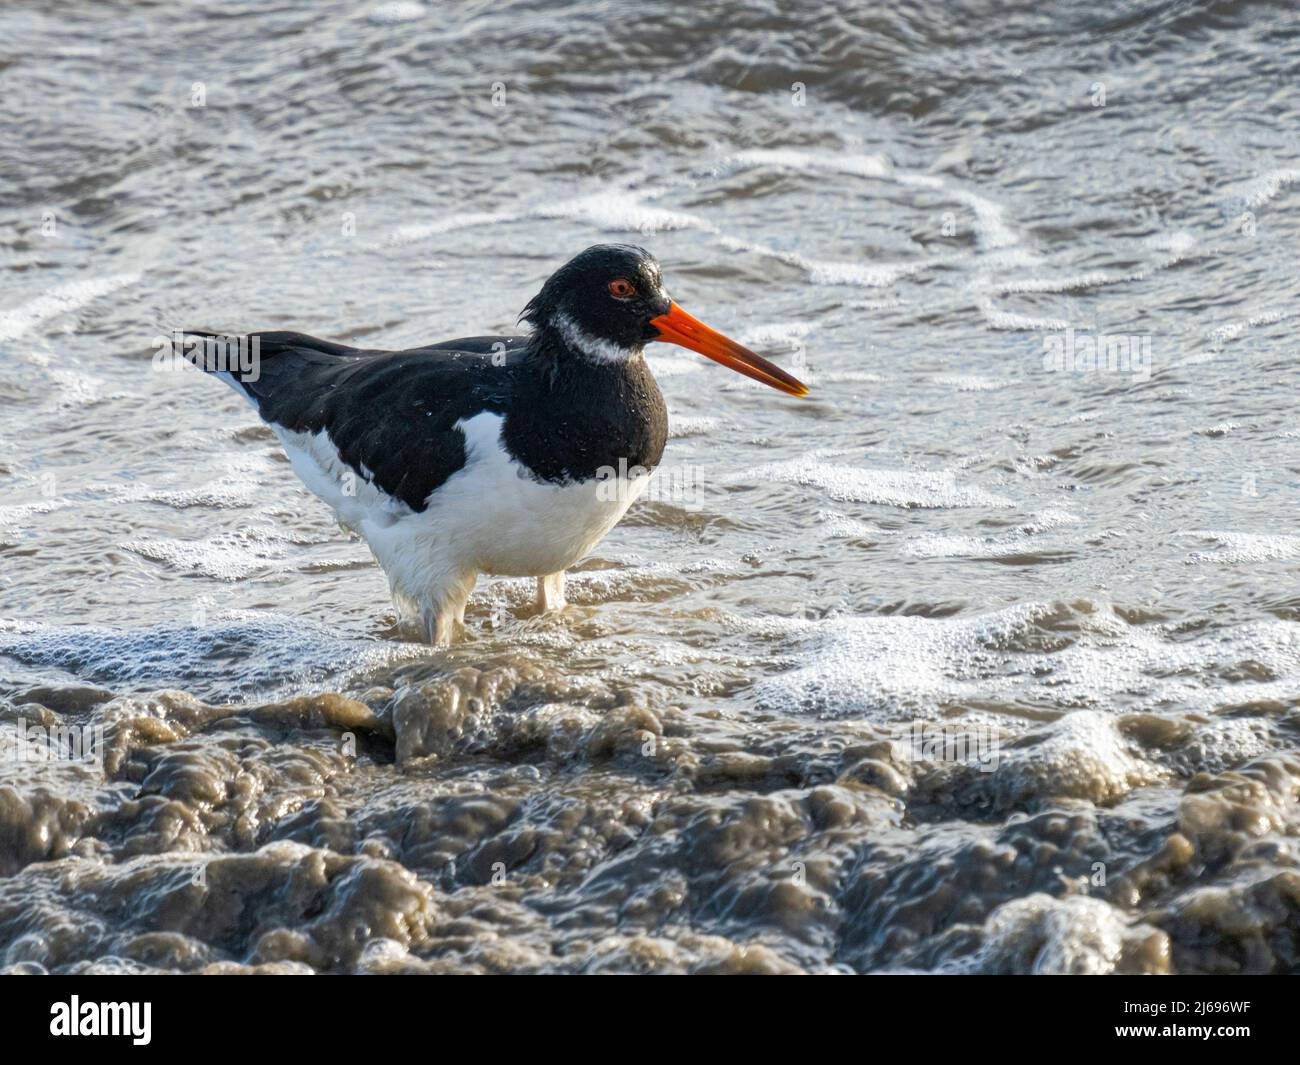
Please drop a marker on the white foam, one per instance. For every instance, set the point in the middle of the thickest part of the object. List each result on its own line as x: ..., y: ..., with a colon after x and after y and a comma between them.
x: 617, y: 209
x: 1238, y: 547
x: 409, y: 234
x: 674, y: 365
x: 889, y: 664
x: 1177, y: 243
x: 867, y: 275
x: 1020, y: 541
x: 992, y: 230
x: 1177, y: 246
x: 229, y: 557
x: 833, y: 272
x: 1006, y: 320
x: 76, y: 388
x: 969, y: 382
x: 897, y: 488
x: 1043, y: 935
x: 18, y: 513
x: 1259, y: 191
x: 1074, y: 283
x: 395, y: 12
x: 62, y: 299
x: 870, y: 166
x: 680, y: 425
x: 1081, y: 755
x: 631, y: 579
x: 967, y: 547
x: 1220, y: 335
x: 222, y: 493
x: 850, y: 377
x: 774, y: 333
x: 1223, y: 744
x: 841, y: 526
x: 277, y: 654
x: 620, y: 209
x: 1151, y: 667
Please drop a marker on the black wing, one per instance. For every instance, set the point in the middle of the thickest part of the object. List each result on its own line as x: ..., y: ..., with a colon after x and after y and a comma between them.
x: 391, y: 414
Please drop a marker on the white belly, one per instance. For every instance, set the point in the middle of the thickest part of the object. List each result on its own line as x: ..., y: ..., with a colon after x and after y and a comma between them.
x: 491, y: 516
x: 504, y: 521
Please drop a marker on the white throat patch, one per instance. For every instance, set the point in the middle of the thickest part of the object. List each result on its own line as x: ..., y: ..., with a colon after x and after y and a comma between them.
x: 593, y: 347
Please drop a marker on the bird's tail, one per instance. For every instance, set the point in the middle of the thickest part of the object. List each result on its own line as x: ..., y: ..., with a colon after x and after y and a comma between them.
x: 234, y: 357
x: 240, y: 359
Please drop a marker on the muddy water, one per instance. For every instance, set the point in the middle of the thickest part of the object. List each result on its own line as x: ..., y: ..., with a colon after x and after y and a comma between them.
x: 986, y: 658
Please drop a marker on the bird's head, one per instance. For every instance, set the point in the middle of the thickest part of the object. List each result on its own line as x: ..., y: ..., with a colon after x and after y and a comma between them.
x: 606, y: 303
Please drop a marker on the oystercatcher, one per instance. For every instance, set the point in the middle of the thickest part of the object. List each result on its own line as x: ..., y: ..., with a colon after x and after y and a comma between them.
x: 488, y: 454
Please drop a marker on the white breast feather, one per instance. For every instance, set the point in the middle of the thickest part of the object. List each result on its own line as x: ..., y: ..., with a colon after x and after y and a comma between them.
x: 491, y: 516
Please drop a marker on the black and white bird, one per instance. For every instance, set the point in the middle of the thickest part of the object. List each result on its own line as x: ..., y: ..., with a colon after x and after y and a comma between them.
x: 488, y: 454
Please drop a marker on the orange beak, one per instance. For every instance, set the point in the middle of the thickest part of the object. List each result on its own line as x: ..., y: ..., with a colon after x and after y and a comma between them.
x: 678, y: 327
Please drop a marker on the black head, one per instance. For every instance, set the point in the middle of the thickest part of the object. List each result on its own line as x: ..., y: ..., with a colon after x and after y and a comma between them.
x: 601, y: 302
x: 606, y: 303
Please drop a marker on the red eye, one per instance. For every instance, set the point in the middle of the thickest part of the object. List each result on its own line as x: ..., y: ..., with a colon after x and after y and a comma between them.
x: 621, y: 288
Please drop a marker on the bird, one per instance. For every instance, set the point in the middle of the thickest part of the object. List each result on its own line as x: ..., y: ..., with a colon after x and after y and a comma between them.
x: 501, y: 455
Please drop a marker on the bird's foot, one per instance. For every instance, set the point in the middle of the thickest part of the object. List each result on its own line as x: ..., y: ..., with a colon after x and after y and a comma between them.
x: 439, y: 628
x: 550, y: 592
x: 442, y: 612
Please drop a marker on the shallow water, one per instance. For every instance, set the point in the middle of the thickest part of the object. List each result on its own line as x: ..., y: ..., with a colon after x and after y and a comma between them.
x: 979, y: 660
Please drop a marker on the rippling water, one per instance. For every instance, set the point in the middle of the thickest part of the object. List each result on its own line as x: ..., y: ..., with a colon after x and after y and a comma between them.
x: 986, y: 658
